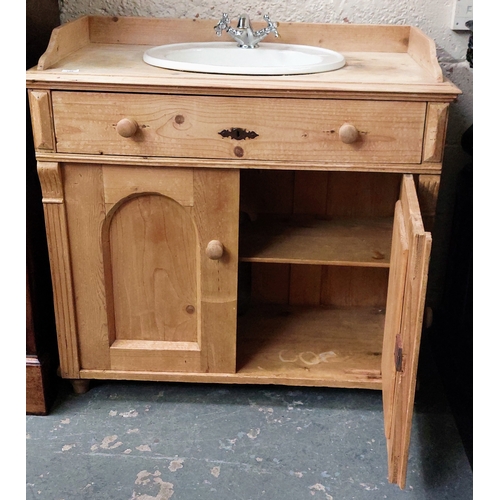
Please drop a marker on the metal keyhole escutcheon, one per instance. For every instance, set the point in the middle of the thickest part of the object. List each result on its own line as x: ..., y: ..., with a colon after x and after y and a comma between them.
x: 238, y: 134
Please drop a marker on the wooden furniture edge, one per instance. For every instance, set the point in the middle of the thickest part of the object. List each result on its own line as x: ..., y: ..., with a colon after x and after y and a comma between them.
x: 158, y: 31
x: 225, y: 378
x: 40, y: 103
x: 64, y: 40
x: 163, y: 161
x: 436, y: 124
x: 421, y: 277
x: 427, y: 192
x: 75, y: 34
x: 347, y: 91
x: 423, y: 50
x: 72, y: 36
x: 51, y: 182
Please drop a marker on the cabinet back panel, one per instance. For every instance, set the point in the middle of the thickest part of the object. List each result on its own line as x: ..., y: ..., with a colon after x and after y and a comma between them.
x: 323, y: 194
x: 354, y: 286
x: 266, y: 191
x: 337, y: 286
x: 358, y: 194
x: 270, y: 283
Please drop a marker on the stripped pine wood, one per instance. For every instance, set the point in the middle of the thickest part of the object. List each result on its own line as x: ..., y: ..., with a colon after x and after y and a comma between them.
x: 246, y: 165
x: 394, y: 40
x: 306, y: 131
x: 85, y: 208
x: 300, y: 284
x: 195, y: 235
x: 134, y: 30
x: 358, y: 379
x: 346, y: 286
x: 423, y: 50
x: 155, y: 280
x: 152, y: 291
x: 305, y: 285
x: 310, y: 193
x: 60, y: 267
x: 395, y: 60
x: 435, y: 132
x: 344, y: 241
x: 128, y: 307
x: 121, y: 182
x: 323, y: 344
x: 51, y: 182
x: 155, y: 355
x: 428, y: 191
x: 65, y: 39
x: 419, y: 248
x: 352, y: 194
x: 392, y: 328
x: 270, y: 283
x: 41, y: 120
x: 305, y: 88
x: 216, y: 215
x: 266, y: 192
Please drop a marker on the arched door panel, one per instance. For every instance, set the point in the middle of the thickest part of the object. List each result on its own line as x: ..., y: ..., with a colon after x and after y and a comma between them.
x: 155, y: 278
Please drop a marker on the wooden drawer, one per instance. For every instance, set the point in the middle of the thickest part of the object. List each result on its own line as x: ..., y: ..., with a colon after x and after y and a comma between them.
x: 239, y: 128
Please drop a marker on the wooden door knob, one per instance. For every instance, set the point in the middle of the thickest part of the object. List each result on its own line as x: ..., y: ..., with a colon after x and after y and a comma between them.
x: 214, y: 250
x: 127, y: 127
x: 348, y: 133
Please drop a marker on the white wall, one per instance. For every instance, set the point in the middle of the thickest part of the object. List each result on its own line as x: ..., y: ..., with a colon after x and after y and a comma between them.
x: 433, y: 17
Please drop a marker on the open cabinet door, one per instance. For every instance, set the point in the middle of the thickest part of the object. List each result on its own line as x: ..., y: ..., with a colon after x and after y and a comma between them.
x: 410, y: 253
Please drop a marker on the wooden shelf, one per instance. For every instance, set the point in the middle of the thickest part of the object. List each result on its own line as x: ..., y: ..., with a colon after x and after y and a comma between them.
x: 311, y: 345
x: 352, y: 242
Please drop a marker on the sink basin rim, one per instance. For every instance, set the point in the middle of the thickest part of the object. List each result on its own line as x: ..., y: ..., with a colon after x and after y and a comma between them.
x: 310, y: 59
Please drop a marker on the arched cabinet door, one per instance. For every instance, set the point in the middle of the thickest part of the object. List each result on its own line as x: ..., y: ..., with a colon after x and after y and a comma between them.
x: 410, y: 252
x: 149, y: 295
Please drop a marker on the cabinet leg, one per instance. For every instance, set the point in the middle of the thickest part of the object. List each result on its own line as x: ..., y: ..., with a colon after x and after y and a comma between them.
x: 80, y: 386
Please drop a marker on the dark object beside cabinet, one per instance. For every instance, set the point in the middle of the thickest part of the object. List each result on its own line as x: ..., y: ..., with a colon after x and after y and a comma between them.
x: 454, y: 326
x: 41, y: 350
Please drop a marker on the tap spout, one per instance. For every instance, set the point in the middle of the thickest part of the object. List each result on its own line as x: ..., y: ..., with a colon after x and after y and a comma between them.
x: 244, y: 34
x: 244, y: 22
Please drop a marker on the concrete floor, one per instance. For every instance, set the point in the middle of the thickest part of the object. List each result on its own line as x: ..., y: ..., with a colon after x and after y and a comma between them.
x: 159, y: 441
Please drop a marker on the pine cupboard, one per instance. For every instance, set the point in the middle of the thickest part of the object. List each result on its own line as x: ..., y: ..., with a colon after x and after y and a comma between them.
x: 232, y: 229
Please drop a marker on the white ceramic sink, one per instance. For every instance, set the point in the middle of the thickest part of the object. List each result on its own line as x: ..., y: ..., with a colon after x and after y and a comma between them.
x: 229, y: 59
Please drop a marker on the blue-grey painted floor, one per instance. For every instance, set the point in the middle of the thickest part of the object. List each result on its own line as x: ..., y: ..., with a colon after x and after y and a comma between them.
x: 159, y: 441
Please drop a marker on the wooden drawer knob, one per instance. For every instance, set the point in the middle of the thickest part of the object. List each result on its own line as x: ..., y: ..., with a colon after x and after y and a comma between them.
x: 348, y: 133
x: 215, y: 250
x: 127, y: 127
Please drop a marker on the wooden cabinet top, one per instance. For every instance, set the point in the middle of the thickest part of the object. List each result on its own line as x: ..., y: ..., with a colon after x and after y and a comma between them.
x: 105, y: 53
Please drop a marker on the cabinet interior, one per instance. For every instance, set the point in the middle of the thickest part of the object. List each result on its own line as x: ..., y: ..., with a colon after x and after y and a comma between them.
x: 313, y: 274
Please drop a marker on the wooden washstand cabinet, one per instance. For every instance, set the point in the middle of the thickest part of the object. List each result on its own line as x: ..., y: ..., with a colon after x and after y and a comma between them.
x: 292, y: 251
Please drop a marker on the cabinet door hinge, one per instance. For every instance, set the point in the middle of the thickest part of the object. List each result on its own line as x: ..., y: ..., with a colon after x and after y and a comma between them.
x: 398, y: 354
